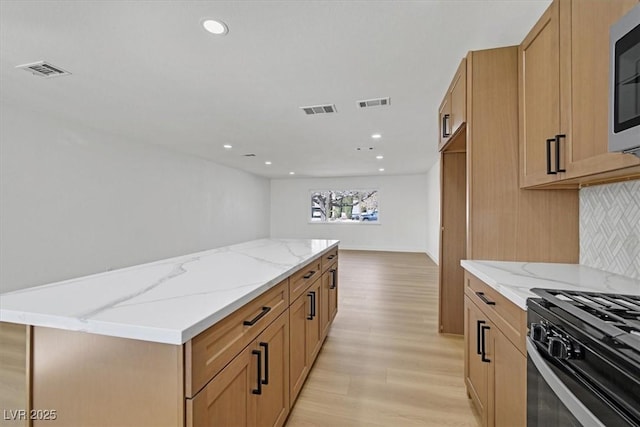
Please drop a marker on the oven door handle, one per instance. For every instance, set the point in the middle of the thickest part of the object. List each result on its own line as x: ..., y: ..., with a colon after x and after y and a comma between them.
x: 573, y: 404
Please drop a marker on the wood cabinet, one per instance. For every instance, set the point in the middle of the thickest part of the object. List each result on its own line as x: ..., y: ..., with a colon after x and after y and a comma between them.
x: 210, y: 351
x: 563, y: 70
x: 475, y: 370
x: 453, y: 109
x: 484, y: 212
x: 329, y: 297
x: 495, y: 355
x: 253, y: 389
x: 305, y: 336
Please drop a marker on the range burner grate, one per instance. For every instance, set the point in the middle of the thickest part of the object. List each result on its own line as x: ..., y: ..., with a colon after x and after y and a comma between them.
x: 616, y: 315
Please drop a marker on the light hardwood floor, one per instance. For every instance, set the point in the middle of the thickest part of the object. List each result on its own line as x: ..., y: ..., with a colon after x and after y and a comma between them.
x: 384, y: 363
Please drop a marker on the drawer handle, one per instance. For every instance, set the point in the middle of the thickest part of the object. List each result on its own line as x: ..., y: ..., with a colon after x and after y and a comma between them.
x: 483, y: 356
x: 330, y: 257
x: 265, y: 345
x: 333, y: 278
x: 259, y: 365
x: 253, y: 321
x: 484, y: 299
x: 309, y: 274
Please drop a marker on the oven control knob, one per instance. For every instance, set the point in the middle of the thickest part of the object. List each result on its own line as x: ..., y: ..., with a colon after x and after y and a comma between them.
x: 558, y: 348
x: 538, y: 332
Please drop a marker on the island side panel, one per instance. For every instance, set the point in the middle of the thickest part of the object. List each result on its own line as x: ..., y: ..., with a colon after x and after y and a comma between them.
x: 96, y: 380
x: 13, y: 374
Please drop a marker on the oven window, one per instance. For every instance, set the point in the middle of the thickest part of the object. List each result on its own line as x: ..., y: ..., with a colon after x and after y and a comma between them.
x: 544, y: 408
x: 627, y: 84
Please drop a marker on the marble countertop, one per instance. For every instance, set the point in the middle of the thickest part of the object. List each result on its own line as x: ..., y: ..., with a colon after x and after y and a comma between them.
x: 514, y: 280
x: 168, y: 301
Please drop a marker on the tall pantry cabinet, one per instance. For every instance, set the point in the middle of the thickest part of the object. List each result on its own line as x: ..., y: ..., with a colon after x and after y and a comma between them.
x: 484, y: 212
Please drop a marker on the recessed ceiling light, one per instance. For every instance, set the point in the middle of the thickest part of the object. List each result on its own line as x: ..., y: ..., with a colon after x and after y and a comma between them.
x: 267, y: 163
x: 379, y: 157
x: 376, y: 136
x: 381, y: 169
x: 292, y: 173
x: 227, y: 146
x: 218, y: 28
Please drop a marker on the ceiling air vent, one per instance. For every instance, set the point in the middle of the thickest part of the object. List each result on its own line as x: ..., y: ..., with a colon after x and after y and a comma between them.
x: 319, y: 109
x: 44, y: 69
x: 374, y: 102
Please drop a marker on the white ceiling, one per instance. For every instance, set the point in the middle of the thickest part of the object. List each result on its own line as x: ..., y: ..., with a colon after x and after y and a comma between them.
x: 147, y: 71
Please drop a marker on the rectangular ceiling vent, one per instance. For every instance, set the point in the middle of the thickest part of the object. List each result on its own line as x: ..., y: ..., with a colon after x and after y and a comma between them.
x: 319, y: 109
x: 374, y: 102
x: 44, y: 69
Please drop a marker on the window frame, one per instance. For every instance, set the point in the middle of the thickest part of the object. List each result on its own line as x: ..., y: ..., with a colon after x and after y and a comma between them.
x: 341, y: 222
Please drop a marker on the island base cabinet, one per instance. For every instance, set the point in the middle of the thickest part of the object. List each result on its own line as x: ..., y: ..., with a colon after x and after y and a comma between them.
x: 305, y: 336
x: 329, y: 300
x: 227, y: 399
x: 272, y: 407
x: 252, y: 390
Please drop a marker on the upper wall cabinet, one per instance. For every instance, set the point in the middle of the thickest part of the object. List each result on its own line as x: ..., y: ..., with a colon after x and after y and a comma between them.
x: 453, y: 109
x: 563, y: 76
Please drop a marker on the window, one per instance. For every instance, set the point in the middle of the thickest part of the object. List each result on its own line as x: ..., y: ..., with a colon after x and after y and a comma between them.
x: 344, y: 206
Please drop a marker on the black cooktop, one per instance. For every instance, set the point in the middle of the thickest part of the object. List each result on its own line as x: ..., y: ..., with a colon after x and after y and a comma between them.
x: 616, y: 316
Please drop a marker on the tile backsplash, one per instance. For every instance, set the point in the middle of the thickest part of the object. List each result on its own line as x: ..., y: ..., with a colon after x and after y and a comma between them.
x: 610, y: 227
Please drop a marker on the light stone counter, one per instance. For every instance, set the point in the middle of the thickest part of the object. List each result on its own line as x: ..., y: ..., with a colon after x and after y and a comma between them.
x: 168, y: 301
x: 514, y: 280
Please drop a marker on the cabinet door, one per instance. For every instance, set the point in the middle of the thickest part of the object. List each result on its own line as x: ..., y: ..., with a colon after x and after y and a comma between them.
x: 314, y: 326
x: 539, y: 98
x: 298, y: 357
x: 227, y: 400
x: 272, y: 406
x: 329, y: 298
x: 589, y: 89
x: 325, y: 316
x: 444, y: 120
x: 332, y: 306
x: 507, y: 384
x: 475, y: 370
x: 459, y: 97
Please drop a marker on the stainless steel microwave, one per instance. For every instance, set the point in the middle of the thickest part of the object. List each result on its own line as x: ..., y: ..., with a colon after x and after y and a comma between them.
x: 624, y: 92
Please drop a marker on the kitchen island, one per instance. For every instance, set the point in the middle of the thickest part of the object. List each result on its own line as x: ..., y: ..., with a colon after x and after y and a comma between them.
x: 184, y: 341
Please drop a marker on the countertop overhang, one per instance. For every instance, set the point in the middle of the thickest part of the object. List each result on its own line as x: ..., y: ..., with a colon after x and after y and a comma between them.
x: 168, y: 301
x: 514, y: 280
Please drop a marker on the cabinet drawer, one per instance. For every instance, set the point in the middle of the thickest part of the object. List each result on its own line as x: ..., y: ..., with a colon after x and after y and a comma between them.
x: 213, y: 349
x: 303, y: 278
x: 329, y: 258
x: 507, y: 316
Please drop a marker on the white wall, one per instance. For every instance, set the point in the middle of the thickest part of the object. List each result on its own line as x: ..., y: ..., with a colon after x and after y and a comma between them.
x: 433, y: 212
x: 74, y: 202
x: 403, y: 206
